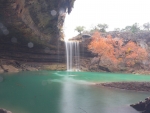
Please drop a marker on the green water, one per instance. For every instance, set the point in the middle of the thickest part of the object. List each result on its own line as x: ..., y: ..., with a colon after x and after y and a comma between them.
x: 105, y: 77
x: 67, y: 92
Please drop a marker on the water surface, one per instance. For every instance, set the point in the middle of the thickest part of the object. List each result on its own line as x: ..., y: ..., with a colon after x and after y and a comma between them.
x: 67, y: 92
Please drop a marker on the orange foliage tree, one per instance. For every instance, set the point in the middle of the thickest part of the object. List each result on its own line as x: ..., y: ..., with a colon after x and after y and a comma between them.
x: 132, y: 53
x: 116, y: 51
x: 103, y: 47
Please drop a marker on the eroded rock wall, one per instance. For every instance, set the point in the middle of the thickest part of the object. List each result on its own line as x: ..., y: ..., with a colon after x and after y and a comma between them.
x: 30, y: 30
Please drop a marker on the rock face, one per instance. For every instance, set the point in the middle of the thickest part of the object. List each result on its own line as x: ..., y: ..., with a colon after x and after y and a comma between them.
x: 13, y: 66
x: 143, y: 106
x: 34, y: 20
x: 10, y: 68
x: 30, y: 30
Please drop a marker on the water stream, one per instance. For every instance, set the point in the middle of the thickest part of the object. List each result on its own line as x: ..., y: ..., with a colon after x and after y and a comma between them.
x: 73, y: 55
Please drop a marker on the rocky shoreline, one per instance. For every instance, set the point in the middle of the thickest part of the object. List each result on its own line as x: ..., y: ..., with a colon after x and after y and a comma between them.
x: 12, y: 66
x: 136, y: 86
x: 142, y: 106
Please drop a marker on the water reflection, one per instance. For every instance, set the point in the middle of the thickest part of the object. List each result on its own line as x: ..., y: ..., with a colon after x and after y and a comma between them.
x: 85, y: 98
x: 68, y: 100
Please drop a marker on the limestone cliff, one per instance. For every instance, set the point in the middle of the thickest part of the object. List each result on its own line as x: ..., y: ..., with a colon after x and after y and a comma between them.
x: 93, y: 63
x: 30, y: 29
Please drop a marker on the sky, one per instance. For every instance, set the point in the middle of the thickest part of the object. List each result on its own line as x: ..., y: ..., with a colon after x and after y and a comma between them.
x: 115, y: 13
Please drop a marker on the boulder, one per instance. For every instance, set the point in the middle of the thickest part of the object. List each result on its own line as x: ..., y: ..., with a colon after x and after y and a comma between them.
x: 10, y: 68
x: 144, y: 106
x: 4, y: 111
x: 139, y: 106
x: 107, y: 64
x: 1, y: 70
x: 147, y: 109
x: 95, y: 60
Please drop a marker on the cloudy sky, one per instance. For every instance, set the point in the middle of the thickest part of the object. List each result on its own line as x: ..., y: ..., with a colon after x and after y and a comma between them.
x: 115, y: 13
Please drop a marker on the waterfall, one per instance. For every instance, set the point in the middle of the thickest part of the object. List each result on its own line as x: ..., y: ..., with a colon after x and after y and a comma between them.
x: 73, y: 55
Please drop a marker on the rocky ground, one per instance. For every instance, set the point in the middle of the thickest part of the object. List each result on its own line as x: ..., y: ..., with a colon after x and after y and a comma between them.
x: 136, y: 86
x: 9, y: 65
x: 12, y: 66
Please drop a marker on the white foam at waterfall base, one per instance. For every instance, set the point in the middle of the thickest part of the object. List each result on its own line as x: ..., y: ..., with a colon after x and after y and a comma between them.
x: 73, y: 55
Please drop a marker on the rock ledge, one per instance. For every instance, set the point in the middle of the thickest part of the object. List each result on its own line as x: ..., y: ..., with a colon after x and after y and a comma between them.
x: 143, y: 106
x: 136, y: 86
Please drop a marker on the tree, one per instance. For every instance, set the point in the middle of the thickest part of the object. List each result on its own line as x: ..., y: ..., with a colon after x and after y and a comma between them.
x: 127, y: 28
x: 132, y: 53
x: 102, y: 27
x: 134, y: 28
x: 94, y: 29
x: 146, y: 26
x: 117, y: 29
x: 102, y: 46
x: 116, y: 50
x: 80, y: 29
